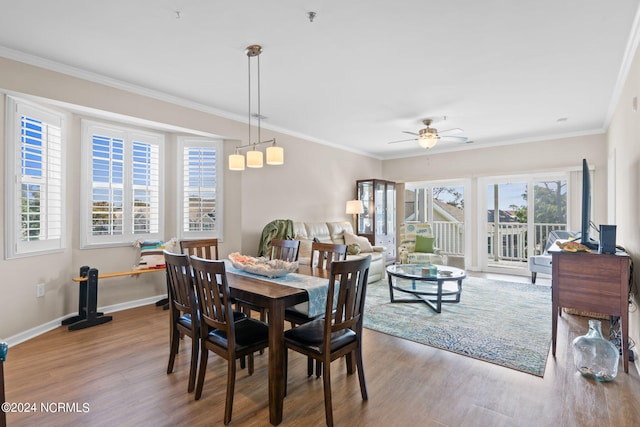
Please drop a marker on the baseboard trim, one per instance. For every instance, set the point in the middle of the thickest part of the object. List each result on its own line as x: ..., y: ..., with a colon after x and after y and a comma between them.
x: 46, y: 327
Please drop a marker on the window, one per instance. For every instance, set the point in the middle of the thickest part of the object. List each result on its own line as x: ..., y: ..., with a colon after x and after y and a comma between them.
x: 200, y: 189
x: 122, y: 197
x: 35, y: 180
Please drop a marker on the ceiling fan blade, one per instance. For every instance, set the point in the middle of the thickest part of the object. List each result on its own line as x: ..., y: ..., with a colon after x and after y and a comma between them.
x: 410, y: 133
x: 402, y: 140
x: 454, y: 138
x: 452, y: 131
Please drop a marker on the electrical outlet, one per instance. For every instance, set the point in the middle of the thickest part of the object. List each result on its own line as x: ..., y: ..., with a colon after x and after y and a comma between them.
x: 39, y: 290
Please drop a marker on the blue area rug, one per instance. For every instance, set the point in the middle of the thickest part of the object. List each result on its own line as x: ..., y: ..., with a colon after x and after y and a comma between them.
x: 505, y: 323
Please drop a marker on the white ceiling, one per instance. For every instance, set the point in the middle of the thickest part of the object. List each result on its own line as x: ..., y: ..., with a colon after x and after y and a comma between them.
x: 362, y: 72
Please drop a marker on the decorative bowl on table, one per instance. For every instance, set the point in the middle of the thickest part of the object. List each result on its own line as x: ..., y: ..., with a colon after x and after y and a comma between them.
x: 262, y: 266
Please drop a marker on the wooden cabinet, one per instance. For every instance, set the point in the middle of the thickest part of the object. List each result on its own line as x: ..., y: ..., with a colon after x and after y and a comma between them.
x: 378, y: 222
x: 591, y: 282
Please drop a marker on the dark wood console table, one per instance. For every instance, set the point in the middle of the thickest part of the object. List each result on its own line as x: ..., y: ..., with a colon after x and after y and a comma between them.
x: 591, y: 282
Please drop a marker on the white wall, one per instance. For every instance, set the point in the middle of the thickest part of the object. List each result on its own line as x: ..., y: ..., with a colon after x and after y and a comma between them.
x: 313, y: 184
x: 624, y: 146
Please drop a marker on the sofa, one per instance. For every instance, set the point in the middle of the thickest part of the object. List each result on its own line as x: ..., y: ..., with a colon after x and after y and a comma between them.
x: 334, y: 232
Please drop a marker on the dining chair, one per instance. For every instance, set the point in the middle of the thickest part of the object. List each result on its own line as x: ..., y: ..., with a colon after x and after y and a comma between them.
x: 325, y: 254
x: 203, y: 248
x: 322, y: 254
x: 286, y: 250
x: 219, y: 333
x: 339, y: 332
x: 183, y: 312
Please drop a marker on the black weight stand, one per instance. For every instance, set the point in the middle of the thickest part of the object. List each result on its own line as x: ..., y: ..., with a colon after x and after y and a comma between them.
x: 88, y: 314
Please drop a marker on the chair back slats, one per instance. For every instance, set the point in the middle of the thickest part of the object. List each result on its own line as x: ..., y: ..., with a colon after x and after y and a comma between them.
x: 202, y: 248
x: 286, y: 250
x: 181, y: 290
x: 213, y: 295
x: 322, y: 254
x: 349, y: 280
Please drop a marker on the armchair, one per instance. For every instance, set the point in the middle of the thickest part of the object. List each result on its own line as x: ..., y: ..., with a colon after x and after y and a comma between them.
x: 542, y: 263
x: 407, y: 250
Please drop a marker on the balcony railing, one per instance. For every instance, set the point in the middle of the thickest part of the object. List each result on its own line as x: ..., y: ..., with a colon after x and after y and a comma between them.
x: 511, y: 239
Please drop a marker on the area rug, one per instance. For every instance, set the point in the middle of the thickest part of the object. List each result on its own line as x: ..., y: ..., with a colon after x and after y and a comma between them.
x: 505, y: 323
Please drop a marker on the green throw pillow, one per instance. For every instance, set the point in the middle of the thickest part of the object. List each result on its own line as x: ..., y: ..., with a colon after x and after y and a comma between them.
x: 424, y: 244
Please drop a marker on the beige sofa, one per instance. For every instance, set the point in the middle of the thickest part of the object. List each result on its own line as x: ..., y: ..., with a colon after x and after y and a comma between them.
x: 333, y: 232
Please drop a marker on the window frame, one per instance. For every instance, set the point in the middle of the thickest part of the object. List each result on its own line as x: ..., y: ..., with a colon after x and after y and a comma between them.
x: 15, y: 247
x: 199, y: 142
x: 129, y: 136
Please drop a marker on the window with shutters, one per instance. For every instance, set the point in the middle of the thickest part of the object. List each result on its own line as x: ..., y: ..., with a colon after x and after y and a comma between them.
x: 35, y: 180
x: 200, y: 188
x: 121, y: 186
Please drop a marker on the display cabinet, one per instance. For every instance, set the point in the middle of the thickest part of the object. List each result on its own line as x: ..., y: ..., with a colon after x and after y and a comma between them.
x: 378, y: 221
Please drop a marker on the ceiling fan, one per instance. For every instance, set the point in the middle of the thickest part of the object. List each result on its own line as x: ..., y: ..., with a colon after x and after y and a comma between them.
x: 429, y: 137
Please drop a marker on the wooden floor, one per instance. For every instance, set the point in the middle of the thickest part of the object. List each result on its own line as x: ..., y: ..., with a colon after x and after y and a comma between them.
x: 115, y: 375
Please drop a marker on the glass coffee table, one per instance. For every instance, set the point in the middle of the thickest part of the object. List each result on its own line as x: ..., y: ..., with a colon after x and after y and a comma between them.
x: 417, y: 280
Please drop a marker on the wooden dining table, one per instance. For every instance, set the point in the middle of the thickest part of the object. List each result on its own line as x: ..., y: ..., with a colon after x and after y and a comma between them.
x: 275, y: 297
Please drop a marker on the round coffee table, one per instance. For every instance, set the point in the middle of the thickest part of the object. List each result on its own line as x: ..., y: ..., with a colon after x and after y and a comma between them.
x: 415, y: 279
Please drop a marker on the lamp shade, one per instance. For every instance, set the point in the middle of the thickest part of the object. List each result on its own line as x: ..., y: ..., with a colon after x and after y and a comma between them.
x: 254, y: 159
x: 427, y: 141
x: 236, y: 162
x: 275, y: 155
x: 355, y: 207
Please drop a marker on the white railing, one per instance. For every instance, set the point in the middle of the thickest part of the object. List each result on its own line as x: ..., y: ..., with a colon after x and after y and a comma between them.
x: 450, y: 237
x: 511, y: 239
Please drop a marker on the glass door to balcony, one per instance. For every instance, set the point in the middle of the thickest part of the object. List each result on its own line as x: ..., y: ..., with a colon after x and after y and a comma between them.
x: 517, y: 224
x: 442, y: 204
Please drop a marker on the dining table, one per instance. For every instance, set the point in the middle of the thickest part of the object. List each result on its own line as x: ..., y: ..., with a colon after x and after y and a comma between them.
x: 275, y: 294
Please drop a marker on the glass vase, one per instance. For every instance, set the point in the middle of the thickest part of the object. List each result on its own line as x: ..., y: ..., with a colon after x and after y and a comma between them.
x: 594, y: 356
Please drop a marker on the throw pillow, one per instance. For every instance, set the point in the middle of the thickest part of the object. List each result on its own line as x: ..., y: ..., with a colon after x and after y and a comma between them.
x: 363, y: 242
x: 424, y: 244
x: 353, y: 249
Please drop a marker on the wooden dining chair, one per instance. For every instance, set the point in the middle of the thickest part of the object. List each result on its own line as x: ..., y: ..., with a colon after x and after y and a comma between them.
x: 183, y: 311
x: 202, y: 248
x: 325, y: 254
x: 322, y: 254
x: 286, y: 250
x: 219, y: 333
x: 339, y: 332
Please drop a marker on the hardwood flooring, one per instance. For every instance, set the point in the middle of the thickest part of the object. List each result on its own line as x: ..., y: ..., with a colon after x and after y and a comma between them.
x: 115, y: 375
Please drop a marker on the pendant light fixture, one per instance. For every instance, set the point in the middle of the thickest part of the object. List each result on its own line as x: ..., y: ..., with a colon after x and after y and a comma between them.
x: 254, y: 157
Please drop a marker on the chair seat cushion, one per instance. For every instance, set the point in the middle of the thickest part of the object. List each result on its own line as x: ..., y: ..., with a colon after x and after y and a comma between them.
x: 249, y: 332
x: 311, y: 335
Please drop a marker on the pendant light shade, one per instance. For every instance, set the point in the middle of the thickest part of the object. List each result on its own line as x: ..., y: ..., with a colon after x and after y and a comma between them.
x: 275, y: 155
x: 254, y: 159
x: 236, y: 162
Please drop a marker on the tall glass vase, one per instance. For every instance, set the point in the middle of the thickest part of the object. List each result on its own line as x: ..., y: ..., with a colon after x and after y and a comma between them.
x: 594, y: 356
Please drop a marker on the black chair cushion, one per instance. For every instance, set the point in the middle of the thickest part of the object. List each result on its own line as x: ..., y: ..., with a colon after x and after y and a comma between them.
x: 311, y: 335
x: 249, y: 332
x: 185, y: 319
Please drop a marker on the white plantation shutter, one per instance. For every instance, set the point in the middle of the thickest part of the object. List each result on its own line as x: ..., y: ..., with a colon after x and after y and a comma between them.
x: 35, y: 209
x: 122, y: 185
x: 201, y: 208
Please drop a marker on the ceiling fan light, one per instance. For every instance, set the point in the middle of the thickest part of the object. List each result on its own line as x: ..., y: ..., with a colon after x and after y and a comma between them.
x: 427, y: 141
